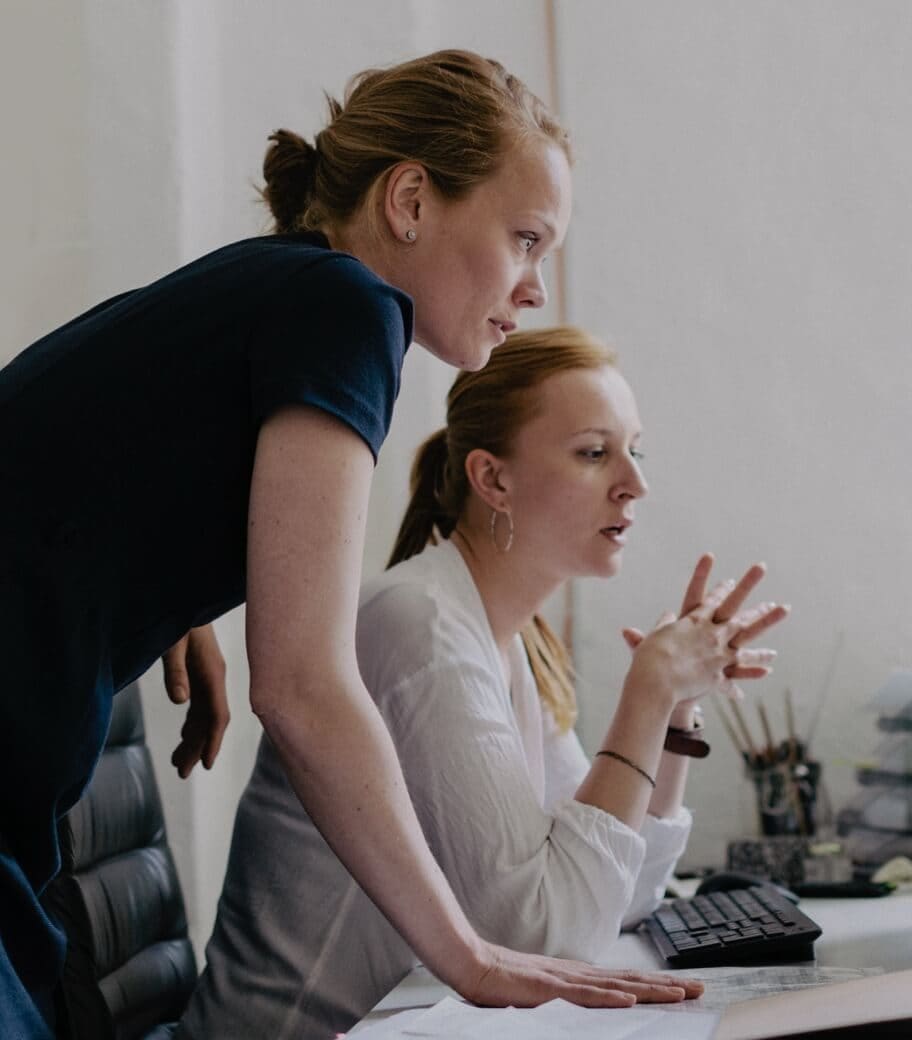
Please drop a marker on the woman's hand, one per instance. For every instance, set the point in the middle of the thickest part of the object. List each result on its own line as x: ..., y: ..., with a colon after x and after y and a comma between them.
x: 194, y: 671
x: 526, y: 980
x: 704, y: 650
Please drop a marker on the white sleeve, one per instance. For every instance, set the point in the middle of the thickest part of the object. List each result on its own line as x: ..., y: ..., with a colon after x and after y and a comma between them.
x: 555, y: 882
x: 665, y: 838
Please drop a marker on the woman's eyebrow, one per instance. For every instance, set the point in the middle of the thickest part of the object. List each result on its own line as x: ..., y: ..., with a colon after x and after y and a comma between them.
x: 603, y: 430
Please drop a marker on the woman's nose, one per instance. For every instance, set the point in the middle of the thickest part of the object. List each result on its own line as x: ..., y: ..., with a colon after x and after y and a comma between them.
x: 633, y: 485
x: 640, y: 481
x: 532, y: 292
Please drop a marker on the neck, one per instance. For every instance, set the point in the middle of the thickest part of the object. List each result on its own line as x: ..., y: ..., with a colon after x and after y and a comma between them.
x: 355, y: 238
x: 512, y: 589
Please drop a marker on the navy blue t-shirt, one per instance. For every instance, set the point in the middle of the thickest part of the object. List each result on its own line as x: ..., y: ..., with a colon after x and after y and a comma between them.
x: 127, y: 440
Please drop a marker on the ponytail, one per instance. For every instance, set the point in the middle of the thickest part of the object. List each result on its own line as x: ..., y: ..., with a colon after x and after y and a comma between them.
x: 426, y: 518
x: 425, y: 512
x: 290, y: 172
x: 552, y: 670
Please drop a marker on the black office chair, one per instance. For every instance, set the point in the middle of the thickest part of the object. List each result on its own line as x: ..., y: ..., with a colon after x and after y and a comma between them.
x: 130, y: 966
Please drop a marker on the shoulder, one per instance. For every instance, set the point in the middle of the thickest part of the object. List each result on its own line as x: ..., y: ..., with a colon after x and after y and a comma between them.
x: 351, y: 317
x: 298, y: 269
x: 328, y: 333
x: 332, y: 277
x: 412, y: 618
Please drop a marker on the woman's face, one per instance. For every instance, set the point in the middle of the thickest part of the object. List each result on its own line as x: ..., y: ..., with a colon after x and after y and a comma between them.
x: 573, y: 475
x: 477, y: 261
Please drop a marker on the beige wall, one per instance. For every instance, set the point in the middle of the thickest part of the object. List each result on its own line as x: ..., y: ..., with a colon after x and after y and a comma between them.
x: 742, y: 233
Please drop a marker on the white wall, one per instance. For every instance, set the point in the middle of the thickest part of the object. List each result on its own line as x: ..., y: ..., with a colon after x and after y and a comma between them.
x: 742, y: 232
x: 43, y: 174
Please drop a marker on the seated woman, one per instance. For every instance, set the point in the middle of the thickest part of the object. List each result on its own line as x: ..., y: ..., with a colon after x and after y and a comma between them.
x: 533, y: 481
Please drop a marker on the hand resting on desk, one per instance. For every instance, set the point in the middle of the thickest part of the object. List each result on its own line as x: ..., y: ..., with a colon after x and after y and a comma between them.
x: 577, y: 982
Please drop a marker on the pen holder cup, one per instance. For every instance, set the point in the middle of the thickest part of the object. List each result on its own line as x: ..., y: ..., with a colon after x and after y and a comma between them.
x: 787, y: 797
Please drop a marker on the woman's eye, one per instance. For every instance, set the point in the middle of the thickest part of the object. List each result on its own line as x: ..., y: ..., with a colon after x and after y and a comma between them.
x: 593, y: 454
x: 638, y: 455
x: 528, y: 240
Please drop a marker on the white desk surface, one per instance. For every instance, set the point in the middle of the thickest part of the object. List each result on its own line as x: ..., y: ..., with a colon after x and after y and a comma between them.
x: 857, y: 933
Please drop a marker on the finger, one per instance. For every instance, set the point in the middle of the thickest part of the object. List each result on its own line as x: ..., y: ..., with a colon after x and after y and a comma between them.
x: 667, y: 617
x: 651, y: 992
x: 632, y: 637
x: 713, y: 600
x: 618, y: 993
x: 756, y: 621
x: 732, y: 604
x: 174, y: 664
x: 214, y: 740
x: 691, y: 987
x: 696, y: 587
x: 628, y: 979
x: 755, y: 657
x: 595, y: 996
x: 185, y: 757
x: 750, y: 672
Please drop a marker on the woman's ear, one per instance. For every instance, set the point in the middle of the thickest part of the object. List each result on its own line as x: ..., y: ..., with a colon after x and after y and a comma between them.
x: 487, y: 477
x: 404, y: 199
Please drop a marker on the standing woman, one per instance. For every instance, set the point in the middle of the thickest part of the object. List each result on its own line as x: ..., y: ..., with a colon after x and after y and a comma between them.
x: 210, y: 439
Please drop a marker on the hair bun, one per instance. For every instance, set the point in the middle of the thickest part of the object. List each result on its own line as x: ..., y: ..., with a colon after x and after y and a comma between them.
x: 289, y: 170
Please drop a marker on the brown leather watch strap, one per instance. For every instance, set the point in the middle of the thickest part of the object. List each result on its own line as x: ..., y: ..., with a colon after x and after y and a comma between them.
x: 686, y: 742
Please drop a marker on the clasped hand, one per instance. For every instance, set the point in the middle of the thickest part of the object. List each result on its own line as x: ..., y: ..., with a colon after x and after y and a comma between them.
x: 704, y: 648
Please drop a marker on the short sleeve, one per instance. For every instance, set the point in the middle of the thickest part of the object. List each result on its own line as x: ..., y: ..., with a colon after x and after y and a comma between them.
x: 332, y: 335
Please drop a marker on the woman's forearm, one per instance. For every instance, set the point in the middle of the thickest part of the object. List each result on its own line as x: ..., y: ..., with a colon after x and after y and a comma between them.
x: 636, y: 735
x: 671, y: 779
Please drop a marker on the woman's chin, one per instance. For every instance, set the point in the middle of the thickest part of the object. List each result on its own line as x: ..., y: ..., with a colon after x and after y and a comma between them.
x: 470, y: 357
x: 611, y: 566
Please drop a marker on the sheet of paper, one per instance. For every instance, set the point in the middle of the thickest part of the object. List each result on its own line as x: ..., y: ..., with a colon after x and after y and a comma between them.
x: 453, y: 1019
x: 726, y: 986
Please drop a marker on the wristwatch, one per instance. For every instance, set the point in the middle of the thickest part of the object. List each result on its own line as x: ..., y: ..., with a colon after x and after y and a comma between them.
x: 688, y: 741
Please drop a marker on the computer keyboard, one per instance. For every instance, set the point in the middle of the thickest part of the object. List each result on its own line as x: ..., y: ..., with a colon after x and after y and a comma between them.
x: 752, y: 925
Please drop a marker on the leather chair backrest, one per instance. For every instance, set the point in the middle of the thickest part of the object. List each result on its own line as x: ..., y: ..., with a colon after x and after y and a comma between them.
x: 130, y: 966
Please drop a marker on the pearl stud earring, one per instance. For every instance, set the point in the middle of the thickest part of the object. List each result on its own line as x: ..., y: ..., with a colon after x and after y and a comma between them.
x: 411, y: 234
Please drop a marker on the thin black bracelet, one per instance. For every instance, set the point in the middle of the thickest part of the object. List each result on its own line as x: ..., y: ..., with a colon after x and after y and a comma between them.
x: 627, y: 762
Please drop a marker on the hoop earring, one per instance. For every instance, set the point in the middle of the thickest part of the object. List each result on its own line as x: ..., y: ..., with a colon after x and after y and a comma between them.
x: 411, y: 234
x: 509, y: 544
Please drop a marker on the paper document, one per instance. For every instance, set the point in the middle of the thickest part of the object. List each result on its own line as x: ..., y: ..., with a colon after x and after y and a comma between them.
x: 726, y: 986
x: 453, y: 1019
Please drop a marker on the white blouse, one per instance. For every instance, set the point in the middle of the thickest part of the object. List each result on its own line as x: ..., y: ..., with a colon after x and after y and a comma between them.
x: 299, y: 950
